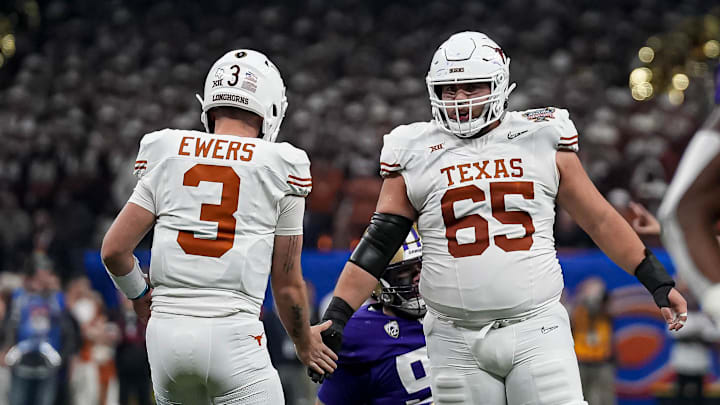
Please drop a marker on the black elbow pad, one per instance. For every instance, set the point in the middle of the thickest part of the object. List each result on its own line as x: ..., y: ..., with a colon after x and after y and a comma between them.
x: 381, y: 240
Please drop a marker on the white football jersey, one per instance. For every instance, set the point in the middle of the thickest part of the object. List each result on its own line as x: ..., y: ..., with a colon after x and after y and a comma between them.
x: 216, y: 199
x: 486, y: 212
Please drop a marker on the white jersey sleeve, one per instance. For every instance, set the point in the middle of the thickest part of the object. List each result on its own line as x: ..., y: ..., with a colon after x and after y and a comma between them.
x: 557, y: 120
x: 401, y: 152
x: 397, y: 152
x: 290, y: 218
x: 293, y: 165
x: 568, y: 133
x: 390, y: 162
x: 149, y: 157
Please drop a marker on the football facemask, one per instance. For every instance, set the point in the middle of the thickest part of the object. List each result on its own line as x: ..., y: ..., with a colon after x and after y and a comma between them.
x: 399, y: 289
x: 469, y: 57
x: 398, y: 286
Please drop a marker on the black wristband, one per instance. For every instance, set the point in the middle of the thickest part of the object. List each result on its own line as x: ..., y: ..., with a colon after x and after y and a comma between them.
x: 655, y: 278
x: 339, y: 312
x: 384, y: 236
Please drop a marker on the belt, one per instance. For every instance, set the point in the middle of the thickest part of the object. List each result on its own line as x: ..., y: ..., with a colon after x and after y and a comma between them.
x: 501, y: 323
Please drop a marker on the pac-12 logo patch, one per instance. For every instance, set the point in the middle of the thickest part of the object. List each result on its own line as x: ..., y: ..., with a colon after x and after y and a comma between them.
x: 392, y: 329
x: 542, y: 114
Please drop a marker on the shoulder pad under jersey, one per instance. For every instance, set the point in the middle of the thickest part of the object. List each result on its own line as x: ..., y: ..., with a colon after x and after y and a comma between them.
x: 395, y: 154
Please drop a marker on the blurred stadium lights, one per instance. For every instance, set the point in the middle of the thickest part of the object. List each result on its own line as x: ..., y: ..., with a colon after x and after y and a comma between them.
x: 25, y: 14
x: 676, y: 96
x: 672, y: 58
x: 640, y: 83
x: 646, y: 54
x: 640, y: 75
x: 711, y: 49
x: 7, y: 45
x: 7, y: 40
x: 680, y: 81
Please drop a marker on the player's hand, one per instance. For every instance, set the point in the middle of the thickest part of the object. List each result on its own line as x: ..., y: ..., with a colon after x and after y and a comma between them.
x: 142, y: 306
x: 676, y: 314
x: 644, y: 222
x: 332, y: 338
x: 319, y: 358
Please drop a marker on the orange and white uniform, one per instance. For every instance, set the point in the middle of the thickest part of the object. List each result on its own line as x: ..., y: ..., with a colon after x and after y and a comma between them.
x: 487, y: 210
x: 219, y: 201
x: 490, y: 274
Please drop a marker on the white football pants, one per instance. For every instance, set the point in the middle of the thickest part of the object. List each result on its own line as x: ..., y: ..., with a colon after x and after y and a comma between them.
x: 211, y: 361
x: 526, y: 363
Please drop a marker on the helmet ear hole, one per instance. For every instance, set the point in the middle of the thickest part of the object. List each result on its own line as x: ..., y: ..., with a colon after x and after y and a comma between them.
x: 274, y: 110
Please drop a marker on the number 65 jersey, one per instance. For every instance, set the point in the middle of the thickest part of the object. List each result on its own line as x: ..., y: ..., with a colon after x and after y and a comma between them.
x: 486, y: 212
x: 217, y: 200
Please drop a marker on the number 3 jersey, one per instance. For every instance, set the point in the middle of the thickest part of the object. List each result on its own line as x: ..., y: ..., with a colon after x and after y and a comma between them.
x: 486, y: 212
x: 383, y: 361
x: 217, y: 200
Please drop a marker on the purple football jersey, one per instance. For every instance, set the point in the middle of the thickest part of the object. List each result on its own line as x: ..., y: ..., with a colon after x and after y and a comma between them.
x: 383, y: 361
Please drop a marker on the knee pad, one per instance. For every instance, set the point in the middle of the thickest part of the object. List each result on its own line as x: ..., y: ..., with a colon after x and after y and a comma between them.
x: 555, y: 385
x: 449, y: 388
x: 266, y: 391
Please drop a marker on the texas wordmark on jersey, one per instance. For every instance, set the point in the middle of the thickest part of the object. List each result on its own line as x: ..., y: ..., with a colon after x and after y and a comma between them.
x: 486, y: 212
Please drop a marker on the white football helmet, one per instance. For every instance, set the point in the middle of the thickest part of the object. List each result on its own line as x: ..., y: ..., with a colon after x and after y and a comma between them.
x: 469, y: 57
x: 248, y: 80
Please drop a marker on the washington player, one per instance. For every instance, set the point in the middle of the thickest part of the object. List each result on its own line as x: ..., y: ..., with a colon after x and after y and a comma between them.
x: 690, y: 211
x: 383, y: 359
x: 482, y: 183
x: 228, y: 207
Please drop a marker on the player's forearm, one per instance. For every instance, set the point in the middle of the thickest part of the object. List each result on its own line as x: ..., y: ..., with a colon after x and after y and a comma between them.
x: 293, y: 310
x: 118, y: 262
x: 128, y: 229
x: 616, y: 239
x: 355, y: 285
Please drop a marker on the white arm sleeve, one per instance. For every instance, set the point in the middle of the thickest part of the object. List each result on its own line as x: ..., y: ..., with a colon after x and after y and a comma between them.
x: 704, y: 146
x: 290, y: 220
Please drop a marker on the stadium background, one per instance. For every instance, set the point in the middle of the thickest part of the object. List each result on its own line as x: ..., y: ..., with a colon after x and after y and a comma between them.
x: 81, y: 81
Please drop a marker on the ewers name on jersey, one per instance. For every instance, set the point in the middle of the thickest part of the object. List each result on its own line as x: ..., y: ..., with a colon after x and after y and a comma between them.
x: 383, y: 361
x: 486, y: 212
x: 216, y: 199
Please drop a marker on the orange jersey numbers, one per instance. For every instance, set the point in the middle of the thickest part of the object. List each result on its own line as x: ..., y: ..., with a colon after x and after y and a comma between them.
x: 221, y: 213
x: 475, y: 221
x: 498, y: 191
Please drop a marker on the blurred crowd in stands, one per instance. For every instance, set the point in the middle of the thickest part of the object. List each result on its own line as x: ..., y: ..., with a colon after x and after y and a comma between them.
x: 88, y: 81
x: 65, y: 346
x: 89, y: 78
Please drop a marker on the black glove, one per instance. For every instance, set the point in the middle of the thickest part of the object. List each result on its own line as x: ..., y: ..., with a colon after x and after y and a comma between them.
x: 339, y: 312
x: 332, y: 337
